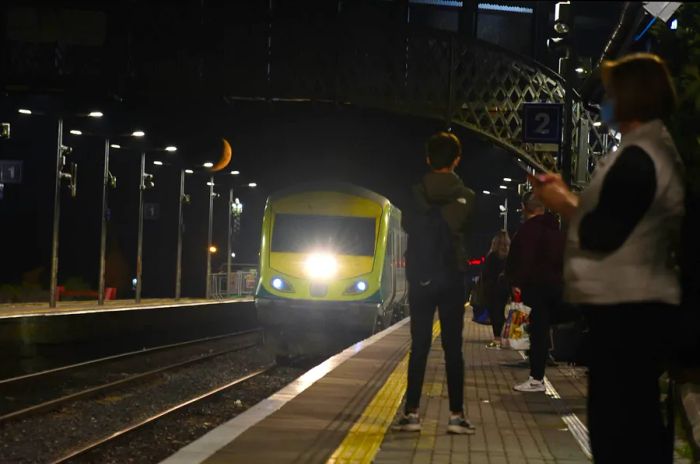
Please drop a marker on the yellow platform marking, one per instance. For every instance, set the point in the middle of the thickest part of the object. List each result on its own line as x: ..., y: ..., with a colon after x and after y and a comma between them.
x: 362, y: 442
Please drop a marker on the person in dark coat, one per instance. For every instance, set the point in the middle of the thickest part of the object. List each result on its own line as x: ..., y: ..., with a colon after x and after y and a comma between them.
x: 493, y: 284
x: 534, y: 267
x: 441, y: 188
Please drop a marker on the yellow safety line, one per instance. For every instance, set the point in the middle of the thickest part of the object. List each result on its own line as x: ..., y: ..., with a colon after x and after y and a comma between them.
x: 364, y: 438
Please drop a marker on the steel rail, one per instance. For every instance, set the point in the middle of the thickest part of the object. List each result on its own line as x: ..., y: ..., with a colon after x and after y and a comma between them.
x: 137, y: 425
x: 56, y: 402
x: 92, y: 362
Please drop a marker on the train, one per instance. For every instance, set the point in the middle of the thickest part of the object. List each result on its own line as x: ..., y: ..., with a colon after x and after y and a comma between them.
x: 332, y: 268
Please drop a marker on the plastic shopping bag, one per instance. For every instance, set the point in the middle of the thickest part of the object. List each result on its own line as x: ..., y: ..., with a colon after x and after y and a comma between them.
x: 515, y: 330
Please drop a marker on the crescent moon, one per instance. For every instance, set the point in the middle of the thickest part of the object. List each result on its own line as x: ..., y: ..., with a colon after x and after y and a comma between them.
x: 225, y: 157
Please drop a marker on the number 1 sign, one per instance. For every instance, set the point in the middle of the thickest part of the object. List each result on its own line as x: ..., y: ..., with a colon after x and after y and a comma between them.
x: 542, y: 122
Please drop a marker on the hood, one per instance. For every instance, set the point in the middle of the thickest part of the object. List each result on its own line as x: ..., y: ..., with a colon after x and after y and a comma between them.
x: 442, y: 187
x: 547, y: 220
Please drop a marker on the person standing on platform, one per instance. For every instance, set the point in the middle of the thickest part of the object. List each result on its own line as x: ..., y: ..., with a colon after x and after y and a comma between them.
x: 436, y: 259
x: 534, y: 268
x: 620, y: 261
x: 494, y: 286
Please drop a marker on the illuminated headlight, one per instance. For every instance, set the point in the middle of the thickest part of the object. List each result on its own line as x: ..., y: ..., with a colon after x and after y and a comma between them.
x: 358, y: 287
x: 279, y: 284
x: 321, y: 266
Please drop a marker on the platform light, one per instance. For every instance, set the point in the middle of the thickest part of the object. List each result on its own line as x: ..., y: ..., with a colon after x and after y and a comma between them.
x: 233, y: 255
x: 580, y: 70
x: 507, y: 179
x: 115, y: 145
x: 210, y: 184
x: 213, y: 249
x: 321, y: 266
x: 75, y: 132
x: 486, y: 192
x: 171, y: 148
x: 503, y: 187
x: 502, y: 208
x: 24, y: 111
x: 597, y: 124
x: 138, y: 133
x: 252, y: 185
x: 235, y: 173
x: 208, y: 164
x: 189, y: 171
x: 158, y: 163
x: 674, y: 24
x: 95, y: 114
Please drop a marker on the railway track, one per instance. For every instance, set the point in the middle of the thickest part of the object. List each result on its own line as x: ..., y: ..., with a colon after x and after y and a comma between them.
x: 47, y: 390
x: 95, y: 444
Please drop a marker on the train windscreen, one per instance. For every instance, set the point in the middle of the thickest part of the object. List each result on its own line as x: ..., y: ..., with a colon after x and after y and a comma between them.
x: 343, y: 235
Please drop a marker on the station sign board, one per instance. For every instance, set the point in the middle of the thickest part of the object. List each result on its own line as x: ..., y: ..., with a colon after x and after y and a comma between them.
x: 542, y: 122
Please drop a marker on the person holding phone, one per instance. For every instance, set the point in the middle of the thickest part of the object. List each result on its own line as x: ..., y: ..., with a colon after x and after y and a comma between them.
x: 619, y: 260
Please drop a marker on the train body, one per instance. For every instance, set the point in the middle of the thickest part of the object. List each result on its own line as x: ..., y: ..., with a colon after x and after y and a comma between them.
x: 331, y: 268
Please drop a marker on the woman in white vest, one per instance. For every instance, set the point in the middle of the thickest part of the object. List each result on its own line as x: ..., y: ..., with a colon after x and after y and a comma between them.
x: 619, y: 263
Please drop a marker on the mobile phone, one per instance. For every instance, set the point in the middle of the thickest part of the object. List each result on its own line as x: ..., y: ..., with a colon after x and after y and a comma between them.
x: 528, y: 164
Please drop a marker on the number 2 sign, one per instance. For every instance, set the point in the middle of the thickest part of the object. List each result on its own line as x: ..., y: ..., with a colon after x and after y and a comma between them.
x: 542, y: 122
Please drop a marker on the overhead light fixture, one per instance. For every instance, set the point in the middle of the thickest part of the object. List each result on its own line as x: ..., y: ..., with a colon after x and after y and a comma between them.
x: 235, y: 173
x: 486, y: 192
x: 158, y: 163
x: 252, y: 185
x: 114, y: 145
x: 211, y: 184
x: 95, y: 114
x: 212, y: 249
x: 171, y: 148
x: 507, y: 179
x: 502, y: 208
x: 674, y: 24
x: 76, y: 132
x: 24, y: 111
x: 208, y: 164
x: 580, y: 70
x: 138, y: 133
x: 597, y: 124
x: 189, y: 171
x: 503, y: 187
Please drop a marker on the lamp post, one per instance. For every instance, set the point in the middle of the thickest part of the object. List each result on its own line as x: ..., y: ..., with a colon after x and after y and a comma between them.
x: 180, y: 225
x: 56, y: 215
x: 139, y: 242
x: 103, y: 227
x: 209, y: 236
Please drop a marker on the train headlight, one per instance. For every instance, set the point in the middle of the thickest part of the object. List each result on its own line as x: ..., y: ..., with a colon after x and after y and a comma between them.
x: 279, y: 284
x: 358, y: 287
x: 321, y: 266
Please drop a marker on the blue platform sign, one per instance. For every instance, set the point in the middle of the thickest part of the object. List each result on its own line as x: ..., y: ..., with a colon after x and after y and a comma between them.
x: 542, y: 122
x: 10, y: 172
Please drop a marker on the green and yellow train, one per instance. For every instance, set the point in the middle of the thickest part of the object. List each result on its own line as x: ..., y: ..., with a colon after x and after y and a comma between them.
x: 331, y: 268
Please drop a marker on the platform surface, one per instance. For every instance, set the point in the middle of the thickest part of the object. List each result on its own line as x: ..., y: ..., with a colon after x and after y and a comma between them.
x: 10, y: 310
x: 343, y: 412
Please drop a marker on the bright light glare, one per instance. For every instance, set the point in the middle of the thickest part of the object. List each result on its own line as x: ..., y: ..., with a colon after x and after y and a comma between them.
x: 24, y: 111
x: 210, y: 183
x: 235, y: 173
x: 502, y: 187
x: 158, y: 163
x: 189, y: 171
x: 138, y: 133
x: 252, y: 185
x: 171, y: 148
x: 580, y: 70
x: 277, y: 283
x: 597, y: 124
x: 321, y: 266
x: 212, y: 249
x: 486, y: 192
x: 76, y: 132
x: 507, y: 179
x: 501, y: 207
x: 674, y: 24
x: 95, y: 114
x: 233, y: 255
x: 208, y: 164
x: 114, y: 145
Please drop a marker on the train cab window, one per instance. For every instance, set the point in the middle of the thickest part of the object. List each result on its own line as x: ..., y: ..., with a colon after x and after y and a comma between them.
x: 344, y: 235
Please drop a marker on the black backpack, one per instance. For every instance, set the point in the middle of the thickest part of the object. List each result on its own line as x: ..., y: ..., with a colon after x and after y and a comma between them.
x: 430, y: 255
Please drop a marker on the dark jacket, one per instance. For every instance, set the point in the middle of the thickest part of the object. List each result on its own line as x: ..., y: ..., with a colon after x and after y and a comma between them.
x: 492, y: 283
x: 456, y: 203
x: 536, y: 253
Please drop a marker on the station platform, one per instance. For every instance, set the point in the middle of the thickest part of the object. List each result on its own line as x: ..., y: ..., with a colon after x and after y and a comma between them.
x: 342, y: 410
x: 15, y: 310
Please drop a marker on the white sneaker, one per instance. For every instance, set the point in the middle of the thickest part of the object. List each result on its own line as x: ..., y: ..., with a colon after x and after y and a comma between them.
x: 407, y: 423
x: 530, y: 385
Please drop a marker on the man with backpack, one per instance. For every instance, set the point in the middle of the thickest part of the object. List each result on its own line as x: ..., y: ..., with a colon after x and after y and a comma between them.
x: 437, y: 230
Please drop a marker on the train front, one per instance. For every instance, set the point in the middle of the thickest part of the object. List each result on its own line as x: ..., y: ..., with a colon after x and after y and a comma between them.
x: 320, y: 272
